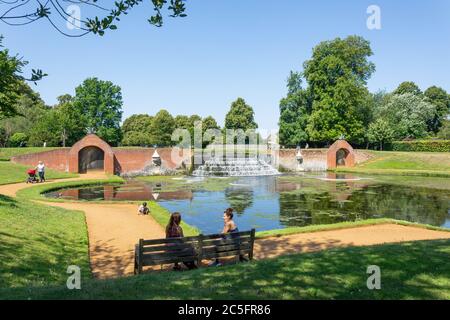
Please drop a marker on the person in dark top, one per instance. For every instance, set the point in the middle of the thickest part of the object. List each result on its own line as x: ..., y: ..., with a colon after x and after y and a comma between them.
x: 229, y: 227
x: 174, y: 230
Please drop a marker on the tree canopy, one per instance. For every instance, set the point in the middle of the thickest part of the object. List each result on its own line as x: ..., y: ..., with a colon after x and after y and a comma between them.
x: 240, y: 116
x: 12, y: 81
x: 100, y: 104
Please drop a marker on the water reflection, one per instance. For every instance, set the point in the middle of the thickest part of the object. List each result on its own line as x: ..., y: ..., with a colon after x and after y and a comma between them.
x: 268, y: 203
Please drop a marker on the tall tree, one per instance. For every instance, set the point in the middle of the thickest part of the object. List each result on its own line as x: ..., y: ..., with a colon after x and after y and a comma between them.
x: 240, y: 116
x: 408, y: 115
x: 100, y: 103
x: 162, y: 128
x: 295, y: 110
x: 337, y: 75
x: 441, y: 100
x: 137, y: 130
x: 408, y: 87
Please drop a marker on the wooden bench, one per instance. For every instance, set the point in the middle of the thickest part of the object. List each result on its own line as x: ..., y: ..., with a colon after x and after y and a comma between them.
x: 187, y: 249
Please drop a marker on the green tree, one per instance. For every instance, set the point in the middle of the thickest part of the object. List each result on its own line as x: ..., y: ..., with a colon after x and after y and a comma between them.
x: 408, y: 115
x: 444, y: 133
x: 380, y: 132
x: 162, y: 128
x: 137, y: 130
x: 337, y: 75
x: 30, y: 108
x: 47, y: 129
x: 295, y: 110
x: 12, y: 82
x: 3, y: 138
x: 100, y: 103
x: 240, y: 116
x: 18, y: 139
x: 441, y: 100
x: 408, y: 87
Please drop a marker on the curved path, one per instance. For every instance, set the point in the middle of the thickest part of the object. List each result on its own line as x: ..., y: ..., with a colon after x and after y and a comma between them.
x: 115, y: 228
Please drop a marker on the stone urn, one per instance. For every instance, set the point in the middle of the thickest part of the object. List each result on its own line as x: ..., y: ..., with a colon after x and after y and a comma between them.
x: 156, y: 158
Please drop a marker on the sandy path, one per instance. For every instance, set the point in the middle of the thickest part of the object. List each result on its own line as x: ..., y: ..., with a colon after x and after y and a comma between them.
x: 360, y: 236
x: 113, y: 231
x: 115, y: 228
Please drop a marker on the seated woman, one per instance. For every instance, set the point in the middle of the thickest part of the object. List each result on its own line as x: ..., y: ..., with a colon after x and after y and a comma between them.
x: 174, y: 230
x: 229, y: 227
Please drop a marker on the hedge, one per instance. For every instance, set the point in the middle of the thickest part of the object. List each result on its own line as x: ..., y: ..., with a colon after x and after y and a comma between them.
x: 422, y: 145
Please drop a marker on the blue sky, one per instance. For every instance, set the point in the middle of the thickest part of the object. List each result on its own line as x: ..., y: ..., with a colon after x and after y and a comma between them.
x: 226, y: 49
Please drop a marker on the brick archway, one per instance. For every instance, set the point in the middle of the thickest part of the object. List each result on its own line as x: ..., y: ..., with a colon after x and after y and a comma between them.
x: 91, y: 140
x: 347, y: 157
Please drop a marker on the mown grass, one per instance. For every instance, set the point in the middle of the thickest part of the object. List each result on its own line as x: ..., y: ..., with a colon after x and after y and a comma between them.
x: 406, y: 163
x: 38, y: 243
x: 7, y: 153
x: 13, y: 173
x: 414, y: 270
x: 343, y: 225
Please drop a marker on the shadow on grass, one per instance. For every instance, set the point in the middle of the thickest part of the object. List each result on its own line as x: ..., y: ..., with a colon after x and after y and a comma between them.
x: 415, y: 270
x: 7, y: 201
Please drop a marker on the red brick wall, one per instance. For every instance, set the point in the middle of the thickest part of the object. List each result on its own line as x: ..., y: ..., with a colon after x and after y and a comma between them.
x: 57, y: 159
x: 134, y: 159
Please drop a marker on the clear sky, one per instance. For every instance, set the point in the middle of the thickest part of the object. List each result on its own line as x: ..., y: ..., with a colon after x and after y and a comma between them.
x: 226, y: 49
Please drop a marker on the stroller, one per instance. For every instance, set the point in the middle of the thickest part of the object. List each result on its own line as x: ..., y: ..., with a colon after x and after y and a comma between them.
x: 32, y: 176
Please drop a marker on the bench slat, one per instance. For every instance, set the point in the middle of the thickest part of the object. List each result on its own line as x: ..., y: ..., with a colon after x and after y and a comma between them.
x: 221, y: 235
x: 213, y: 255
x: 170, y: 240
x: 226, y: 241
x: 153, y: 262
x: 226, y: 248
x: 166, y: 247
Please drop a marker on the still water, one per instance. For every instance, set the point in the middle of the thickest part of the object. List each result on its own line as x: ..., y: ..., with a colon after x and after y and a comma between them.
x: 267, y: 203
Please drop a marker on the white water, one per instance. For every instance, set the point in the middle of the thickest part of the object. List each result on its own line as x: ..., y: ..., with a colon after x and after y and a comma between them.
x: 235, y: 167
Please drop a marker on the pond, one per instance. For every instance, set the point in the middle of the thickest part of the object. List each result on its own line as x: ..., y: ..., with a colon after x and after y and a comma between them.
x: 277, y: 202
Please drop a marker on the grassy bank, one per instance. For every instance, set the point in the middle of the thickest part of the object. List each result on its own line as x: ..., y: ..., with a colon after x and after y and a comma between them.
x: 38, y: 243
x: 343, y: 225
x: 435, y: 164
x: 13, y: 173
x: 332, y: 274
x: 7, y: 153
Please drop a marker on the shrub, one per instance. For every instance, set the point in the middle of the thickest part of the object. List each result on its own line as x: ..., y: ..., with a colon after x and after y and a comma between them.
x: 422, y: 145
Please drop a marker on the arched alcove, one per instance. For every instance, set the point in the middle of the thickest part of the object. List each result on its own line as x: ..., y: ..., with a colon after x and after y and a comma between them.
x: 340, y: 154
x: 91, y: 153
x: 91, y: 158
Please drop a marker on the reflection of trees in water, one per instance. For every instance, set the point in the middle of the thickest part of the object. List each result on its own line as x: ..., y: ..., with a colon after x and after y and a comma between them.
x: 239, y: 199
x: 397, y: 202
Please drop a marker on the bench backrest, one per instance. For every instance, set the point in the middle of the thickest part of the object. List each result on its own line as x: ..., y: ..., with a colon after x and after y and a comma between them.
x: 225, y: 245
x: 165, y: 251
x: 172, y: 250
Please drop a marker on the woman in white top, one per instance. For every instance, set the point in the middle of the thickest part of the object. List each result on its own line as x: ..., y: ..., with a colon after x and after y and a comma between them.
x: 41, y: 171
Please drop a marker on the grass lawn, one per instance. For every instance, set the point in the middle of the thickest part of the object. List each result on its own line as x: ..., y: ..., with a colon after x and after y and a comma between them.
x: 409, y: 163
x: 416, y: 270
x: 7, y: 153
x: 13, y: 173
x: 38, y: 243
